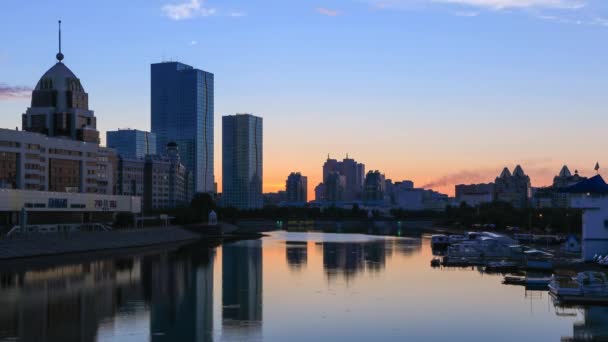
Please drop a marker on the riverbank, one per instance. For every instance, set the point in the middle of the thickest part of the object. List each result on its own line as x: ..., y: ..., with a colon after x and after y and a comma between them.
x: 79, y: 242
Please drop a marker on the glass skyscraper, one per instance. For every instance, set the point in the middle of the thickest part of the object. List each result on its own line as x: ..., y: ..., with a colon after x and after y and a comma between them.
x: 182, y: 112
x: 132, y: 143
x: 242, y: 161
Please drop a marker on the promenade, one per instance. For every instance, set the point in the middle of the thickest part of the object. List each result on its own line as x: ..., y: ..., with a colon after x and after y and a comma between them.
x: 35, y: 245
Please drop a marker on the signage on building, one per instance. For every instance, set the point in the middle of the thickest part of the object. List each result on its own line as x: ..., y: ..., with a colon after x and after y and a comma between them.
x: 58, y: 203
x: 105, y: 204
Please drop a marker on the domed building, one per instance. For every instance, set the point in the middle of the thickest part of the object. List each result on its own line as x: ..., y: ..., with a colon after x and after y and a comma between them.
x: 60, y: 106
x: 514, y: 189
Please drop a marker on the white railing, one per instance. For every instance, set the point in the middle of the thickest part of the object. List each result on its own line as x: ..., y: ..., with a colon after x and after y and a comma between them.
x: 59, y: 228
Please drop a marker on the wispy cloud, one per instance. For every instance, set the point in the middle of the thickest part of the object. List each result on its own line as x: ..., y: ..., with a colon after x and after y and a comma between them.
x: 187, y: 10
x: 328, y: 12
x: 194, y: 42
x: 14, y: 92
x: 466, y: 13
x: 510, y: 4
x: 237, y: 14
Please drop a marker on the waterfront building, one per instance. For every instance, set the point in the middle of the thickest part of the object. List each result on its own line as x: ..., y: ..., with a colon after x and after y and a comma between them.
x: 54, y: 169
x: 514, y: 189
x: 474, y: 194
x: 375, y: 185
x: 131, y: 143
x: 556, y: 196
x: 242, y: 161
x: 182, y: 109
x: 591, y: 195
x: 354, y: 176
x: 296, y: 186
x: 161, y: 180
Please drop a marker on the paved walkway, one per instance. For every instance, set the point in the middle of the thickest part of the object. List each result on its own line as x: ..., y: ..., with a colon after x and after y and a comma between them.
x: 51, y: 244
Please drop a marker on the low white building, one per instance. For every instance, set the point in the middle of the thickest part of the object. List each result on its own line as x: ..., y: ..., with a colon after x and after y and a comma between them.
x: 592, y: 196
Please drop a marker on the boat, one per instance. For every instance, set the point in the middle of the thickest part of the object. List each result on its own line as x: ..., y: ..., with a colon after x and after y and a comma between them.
x: 439, y: 241
x: 536, y: 283
x: 585, y: 287
x: 456, y: 238
x: 538, y: 260
x: 435, y: 262
x: 502, y: 266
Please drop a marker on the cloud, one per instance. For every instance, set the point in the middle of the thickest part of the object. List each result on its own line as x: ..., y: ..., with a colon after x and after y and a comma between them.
x: 328, y: 12
x: 238, y: 14
x: 541, y: 171
x: 14, y: 92
x: 187, y: 10
x: 466, y: 14
x: 194, y: 42
x: 510, y: 4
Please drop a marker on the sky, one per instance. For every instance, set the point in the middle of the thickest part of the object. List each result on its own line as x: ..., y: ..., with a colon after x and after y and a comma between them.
x: 436, y: 91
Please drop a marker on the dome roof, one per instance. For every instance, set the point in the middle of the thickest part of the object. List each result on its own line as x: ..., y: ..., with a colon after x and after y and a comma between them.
x: 565, y: 172
x: 505, y: 173
x: 57, y: 75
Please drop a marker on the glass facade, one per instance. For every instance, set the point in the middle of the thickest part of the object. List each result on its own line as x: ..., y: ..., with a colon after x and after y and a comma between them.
x: 182, y: 112
x: 242, y: 171
x: 132, y: 143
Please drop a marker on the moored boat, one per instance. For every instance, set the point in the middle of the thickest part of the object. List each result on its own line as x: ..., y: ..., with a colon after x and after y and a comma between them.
x: 586, y: 287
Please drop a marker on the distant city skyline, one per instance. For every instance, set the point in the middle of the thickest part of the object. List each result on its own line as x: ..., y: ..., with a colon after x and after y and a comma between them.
x: 435, y: 92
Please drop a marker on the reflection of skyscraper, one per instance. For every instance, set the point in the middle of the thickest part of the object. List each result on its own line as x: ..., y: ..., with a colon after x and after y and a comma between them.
x: 181, y: 295
x: 296, y: 253
x: 242, y: 289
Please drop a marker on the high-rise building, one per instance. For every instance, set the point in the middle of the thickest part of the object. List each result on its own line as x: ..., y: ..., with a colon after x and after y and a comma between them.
x: 375, y: 186
x: 132, y: 143
x: 514, y: 189
x: 242, y: 161
x: 297, y: 188
x: 182, y: 112
x: 474, y: 194
x: 354, y: 176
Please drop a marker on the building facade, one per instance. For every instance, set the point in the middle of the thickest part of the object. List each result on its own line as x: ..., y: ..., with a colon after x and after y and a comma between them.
x: 296, y: 187
x: 131, y: 143
x: 354, y: 177
x: 160, y: 180
x: 54, y: 170
x: 182, y: 109
x: 474, y: 194
x: 375, y: 186
x: 242, y: 161
x: 514, y: 189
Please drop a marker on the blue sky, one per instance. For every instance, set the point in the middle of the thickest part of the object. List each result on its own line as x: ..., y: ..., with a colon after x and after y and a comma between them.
x: 421, y: 89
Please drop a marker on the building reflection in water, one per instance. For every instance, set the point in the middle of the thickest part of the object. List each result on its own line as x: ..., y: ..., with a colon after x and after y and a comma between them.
x: 593, y: 327
x: 180, y: 292
x: 349, y: 259
x: 296, y: 254
x: 66, y: 303
x: 242, y: 290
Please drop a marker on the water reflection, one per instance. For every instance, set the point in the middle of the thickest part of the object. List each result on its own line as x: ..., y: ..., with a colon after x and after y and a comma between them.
x: 179, y: 288
x: 296, y: 254
x: 242, y: 290
x: 296, y: 287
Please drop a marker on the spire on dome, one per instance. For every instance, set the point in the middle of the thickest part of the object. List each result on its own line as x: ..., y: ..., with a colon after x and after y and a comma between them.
x: 59, y: 54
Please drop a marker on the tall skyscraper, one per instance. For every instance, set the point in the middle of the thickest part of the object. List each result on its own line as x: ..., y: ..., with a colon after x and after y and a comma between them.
x: 297, y: 188
x: 132, y: 143
x: 354, y: 175
x: 242, y: 161
x: 182, y: 112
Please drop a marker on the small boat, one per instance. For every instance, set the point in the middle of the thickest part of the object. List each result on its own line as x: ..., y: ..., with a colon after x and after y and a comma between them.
x: 456, y: 238
x: 502, y: 266
x: 586, y: 287
x: 439, y: 241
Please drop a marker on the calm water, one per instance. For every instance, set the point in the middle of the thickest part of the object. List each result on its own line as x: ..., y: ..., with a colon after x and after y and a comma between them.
x: 286, y: 287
